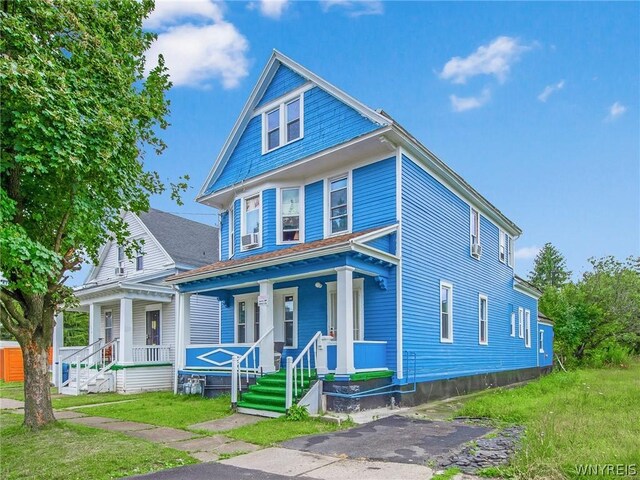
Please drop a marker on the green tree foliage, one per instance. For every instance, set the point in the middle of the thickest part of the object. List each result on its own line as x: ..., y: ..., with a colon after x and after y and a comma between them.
x: 76, y: 329
x: 549, y: 269
x: 78, y: 115
x: 597, y: 319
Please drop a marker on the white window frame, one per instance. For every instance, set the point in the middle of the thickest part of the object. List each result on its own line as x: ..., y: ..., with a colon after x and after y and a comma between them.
x: 513, y: 324
x: 527, y: 328
x: 139, y: 255
x: 486, y: 336
x: 104, y: 315
x: 327, y: 204
x: 149, y: 308
x: 520, y: 322
x: 358, y: 284
x: 232, y: 229
x: 449, y: 286
x: 279, y: 295
x: 121, y: 258
x: 279, y: 190
x: 541, y: 341
x: 242, y: 220
x: 509, y: 249
x: 502, y: 246
x: 249, y: 299
x: 282, y: 119
x: 472, y: 233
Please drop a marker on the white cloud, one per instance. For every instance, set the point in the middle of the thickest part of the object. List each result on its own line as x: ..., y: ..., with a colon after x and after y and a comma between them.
x: 273, y: 8
x: 494, y: 59
x: 615, y: 110
x: 549, y: 90
x: 355, y: 8
x: 197, y: 53
x: 526, y: 253
x: 461, y: 104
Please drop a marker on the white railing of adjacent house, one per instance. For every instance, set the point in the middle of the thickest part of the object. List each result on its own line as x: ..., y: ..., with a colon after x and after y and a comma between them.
x: 240, y: 366
x: 151, y: 353
x: 95, y: 364
x: 72, y: 356
x: 297, y: 367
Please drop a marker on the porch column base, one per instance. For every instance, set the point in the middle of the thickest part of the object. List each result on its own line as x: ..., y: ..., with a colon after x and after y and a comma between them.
x: 344, y: 323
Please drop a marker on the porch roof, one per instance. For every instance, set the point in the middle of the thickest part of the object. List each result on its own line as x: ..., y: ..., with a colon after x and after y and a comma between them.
x: 341, y: 243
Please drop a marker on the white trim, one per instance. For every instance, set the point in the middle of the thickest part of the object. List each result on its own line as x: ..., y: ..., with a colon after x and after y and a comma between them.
x: 273, y: 104
x: 542, y: 322
x: 528, y: 291
x: 155, y: 240
x: 527, y: 328
x: 486, y: 299
x: 509, y: 249
x: 348, y: 175
x: 242, y: 220
x: 520, y: 322
x: 104, y: 316
x: 279, y: 294
x: 399, y: 342
x: 301, y: 214
x: 231, y: 247
x: 260, y: 87
x: 358, y: 285
x: 249, y: 320
x: 540, y: 341
x: 502, y: 245
x: 450, y: 304
x: 151, y: 308
x: 281, y: 106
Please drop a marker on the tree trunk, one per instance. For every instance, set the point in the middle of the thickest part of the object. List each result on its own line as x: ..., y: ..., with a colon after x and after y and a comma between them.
x: 38, y: 411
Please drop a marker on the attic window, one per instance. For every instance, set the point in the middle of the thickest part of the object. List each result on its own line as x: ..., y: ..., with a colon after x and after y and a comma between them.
x: 282, y: 124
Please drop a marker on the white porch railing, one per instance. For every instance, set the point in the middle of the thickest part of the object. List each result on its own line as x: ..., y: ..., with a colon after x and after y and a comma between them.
x: 237, y: 369
x: 89, y: 364
x: 296, y: 368
x: 72, y: 356
x: 151, y: 353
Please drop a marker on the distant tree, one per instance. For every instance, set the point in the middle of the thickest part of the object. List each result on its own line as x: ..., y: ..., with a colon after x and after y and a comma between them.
x: 549, y: 268
x: 76, y: 329
x: 78, y: 114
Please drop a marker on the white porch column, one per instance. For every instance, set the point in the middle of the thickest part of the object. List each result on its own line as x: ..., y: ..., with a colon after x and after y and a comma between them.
x: 58, y: 342
x: 265, y: 302
x: 344, y: 321
x: 94, y: 322
x: 126, y: 331
x: 184, y: 329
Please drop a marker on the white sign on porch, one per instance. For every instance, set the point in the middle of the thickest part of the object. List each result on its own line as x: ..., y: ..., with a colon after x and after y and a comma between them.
x: 263, y: 301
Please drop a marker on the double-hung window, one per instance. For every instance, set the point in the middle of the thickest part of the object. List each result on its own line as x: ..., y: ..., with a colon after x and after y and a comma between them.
x: 541, y: 341
x: 520, y: 322
x: 140, y: 260
x: 527, y: 328
x: 502, y: 249
x: 339, y: 205
x: 121, y: 259
x: 474, y: 234
x: 289, y: 314
x: 291, y: 219
x: 446, y: 312
x: 282, y: 125
x: 108, y: 326
x: 483, y: 320
x: 241, y: 332
x: 251, y: 221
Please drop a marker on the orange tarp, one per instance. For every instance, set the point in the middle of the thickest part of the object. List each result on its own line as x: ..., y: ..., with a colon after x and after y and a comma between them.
x: 11, y: 368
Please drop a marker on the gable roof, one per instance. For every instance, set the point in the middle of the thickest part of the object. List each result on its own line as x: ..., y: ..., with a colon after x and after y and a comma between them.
x: 187, y: 242
x: 255, y: 97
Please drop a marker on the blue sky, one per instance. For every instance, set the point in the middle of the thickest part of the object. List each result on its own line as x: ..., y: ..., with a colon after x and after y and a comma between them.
x: 535, y: 104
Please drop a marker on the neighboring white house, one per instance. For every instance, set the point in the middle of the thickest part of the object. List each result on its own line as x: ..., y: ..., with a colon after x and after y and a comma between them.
x: 132, y: 328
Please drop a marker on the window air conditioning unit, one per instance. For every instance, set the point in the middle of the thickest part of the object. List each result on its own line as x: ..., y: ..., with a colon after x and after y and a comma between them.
x: 250, y: 240
x: 476, y: 249
x: 119, y: 271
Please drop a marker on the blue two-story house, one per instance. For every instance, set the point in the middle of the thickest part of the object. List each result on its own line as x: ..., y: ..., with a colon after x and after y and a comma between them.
x: 352, y: 254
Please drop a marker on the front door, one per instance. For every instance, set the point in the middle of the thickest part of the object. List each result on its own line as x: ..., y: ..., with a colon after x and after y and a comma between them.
x: 153, y: 327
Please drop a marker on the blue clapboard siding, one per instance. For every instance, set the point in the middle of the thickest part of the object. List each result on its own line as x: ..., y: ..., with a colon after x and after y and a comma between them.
x: 374, y: 195
x: 380, y: 320
x: 224, y: 235
x: 313, y: 205
x: 546, y: 357
x: 283, y: 81
x: 385, y: 244
x: 327, y: 122
x: 435, y: 247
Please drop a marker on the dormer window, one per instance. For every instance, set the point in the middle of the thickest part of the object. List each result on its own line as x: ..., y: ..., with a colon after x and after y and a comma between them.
x: 282, y: 124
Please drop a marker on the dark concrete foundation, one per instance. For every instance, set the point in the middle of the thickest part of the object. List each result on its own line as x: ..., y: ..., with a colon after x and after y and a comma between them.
x: 453, y: 387
x: 208, y: 385
x: 348, y: 405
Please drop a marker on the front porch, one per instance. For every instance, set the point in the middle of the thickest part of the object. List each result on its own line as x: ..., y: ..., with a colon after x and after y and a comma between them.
x: 331, y: 314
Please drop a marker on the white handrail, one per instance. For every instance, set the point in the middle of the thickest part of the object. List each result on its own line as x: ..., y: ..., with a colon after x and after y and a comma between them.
x: 245, y: 358
x: 292, y: 368
x: 75, y: 355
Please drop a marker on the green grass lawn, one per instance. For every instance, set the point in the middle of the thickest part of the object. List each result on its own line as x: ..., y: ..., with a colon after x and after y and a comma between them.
x: 275, y: 430
x: 67, y: 451
x: 164, y: 409
x: 580, y: 417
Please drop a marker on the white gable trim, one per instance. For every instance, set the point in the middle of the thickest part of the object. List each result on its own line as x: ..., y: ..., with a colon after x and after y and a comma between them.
x: 170, y: 262
x: 260, y: 87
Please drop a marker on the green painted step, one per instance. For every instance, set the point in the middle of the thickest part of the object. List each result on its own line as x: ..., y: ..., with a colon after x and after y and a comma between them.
x: 268, y: 389
x: 256, y: 406
x: 260, y: 399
